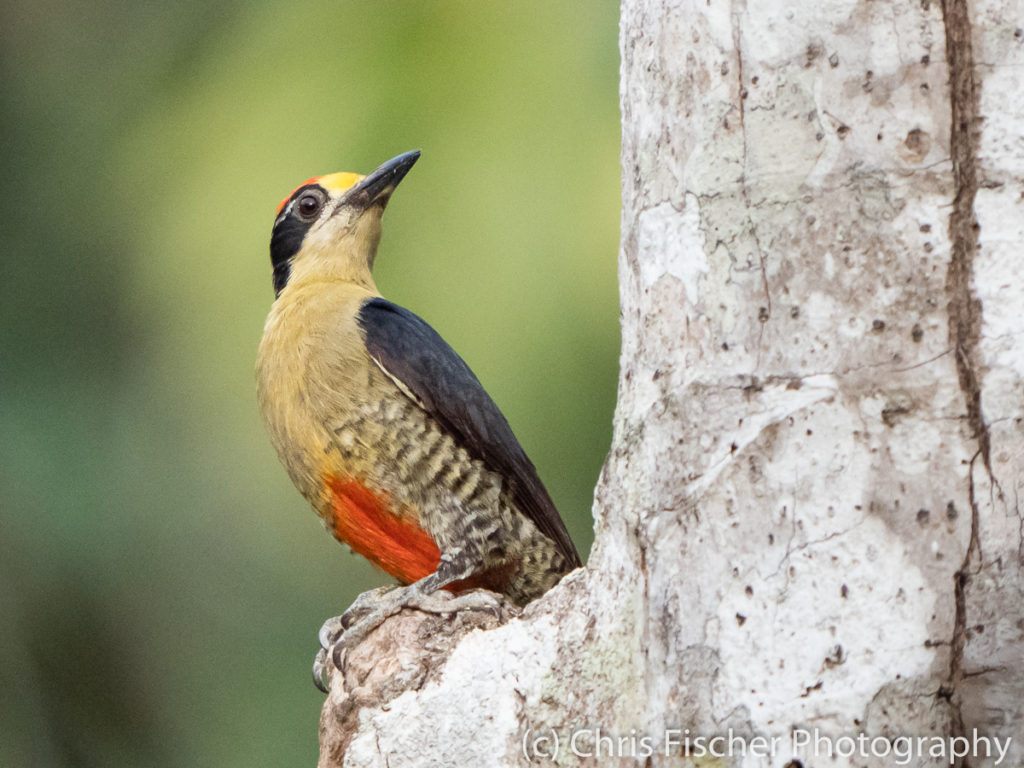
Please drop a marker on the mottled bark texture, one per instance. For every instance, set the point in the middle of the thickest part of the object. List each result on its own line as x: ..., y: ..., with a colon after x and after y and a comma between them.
x: 810, y: 516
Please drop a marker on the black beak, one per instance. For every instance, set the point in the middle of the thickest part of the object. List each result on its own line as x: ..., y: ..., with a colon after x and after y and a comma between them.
x: 378, y: 186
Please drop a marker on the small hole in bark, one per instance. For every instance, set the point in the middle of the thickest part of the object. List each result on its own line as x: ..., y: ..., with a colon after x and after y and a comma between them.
x: 836, y: 656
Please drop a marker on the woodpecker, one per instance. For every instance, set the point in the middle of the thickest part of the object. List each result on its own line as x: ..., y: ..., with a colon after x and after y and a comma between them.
x: 383, y: 428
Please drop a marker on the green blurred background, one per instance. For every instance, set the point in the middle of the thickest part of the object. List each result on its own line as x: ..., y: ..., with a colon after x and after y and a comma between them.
x: 161, y: 582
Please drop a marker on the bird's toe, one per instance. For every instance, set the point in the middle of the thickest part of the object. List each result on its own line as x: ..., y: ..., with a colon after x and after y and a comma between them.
x: 443, y: 601
x: 321, y: 671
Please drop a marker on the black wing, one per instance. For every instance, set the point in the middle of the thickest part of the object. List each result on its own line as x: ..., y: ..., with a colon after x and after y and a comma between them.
x: 415, y: 354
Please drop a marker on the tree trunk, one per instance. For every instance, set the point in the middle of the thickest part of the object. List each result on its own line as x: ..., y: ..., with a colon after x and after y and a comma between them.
x: 809, y: 536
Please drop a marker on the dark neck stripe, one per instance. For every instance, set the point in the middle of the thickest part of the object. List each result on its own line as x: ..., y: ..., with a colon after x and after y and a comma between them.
x: 285, y: 242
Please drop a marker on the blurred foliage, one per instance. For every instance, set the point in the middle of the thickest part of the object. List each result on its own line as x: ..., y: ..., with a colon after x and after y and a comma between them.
x: 161, y: 582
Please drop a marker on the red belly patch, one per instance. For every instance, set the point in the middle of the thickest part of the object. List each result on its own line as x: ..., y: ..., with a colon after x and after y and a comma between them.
x: 367, y: 521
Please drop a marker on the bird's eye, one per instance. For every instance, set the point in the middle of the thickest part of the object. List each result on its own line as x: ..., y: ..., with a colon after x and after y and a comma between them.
x: 309, y: 206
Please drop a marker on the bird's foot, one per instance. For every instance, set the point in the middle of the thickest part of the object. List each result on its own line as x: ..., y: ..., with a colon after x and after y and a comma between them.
x: 365, y: 604
x: 335, y: 627
x: 390, y: 603
x: 371, y: 609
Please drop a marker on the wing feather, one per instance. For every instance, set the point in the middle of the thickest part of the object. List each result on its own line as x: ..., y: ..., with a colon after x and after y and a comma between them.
x: 416, y: 357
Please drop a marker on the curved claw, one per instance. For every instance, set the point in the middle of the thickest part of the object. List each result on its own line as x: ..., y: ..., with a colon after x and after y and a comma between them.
x: 331, y: 630
x: 337, y: 653
x: 320, y: 677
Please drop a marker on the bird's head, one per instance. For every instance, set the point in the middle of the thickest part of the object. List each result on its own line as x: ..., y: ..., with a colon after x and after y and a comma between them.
x: 330, y: 226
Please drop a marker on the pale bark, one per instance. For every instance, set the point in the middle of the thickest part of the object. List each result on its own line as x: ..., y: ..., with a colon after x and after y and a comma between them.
x: 810, y: 514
